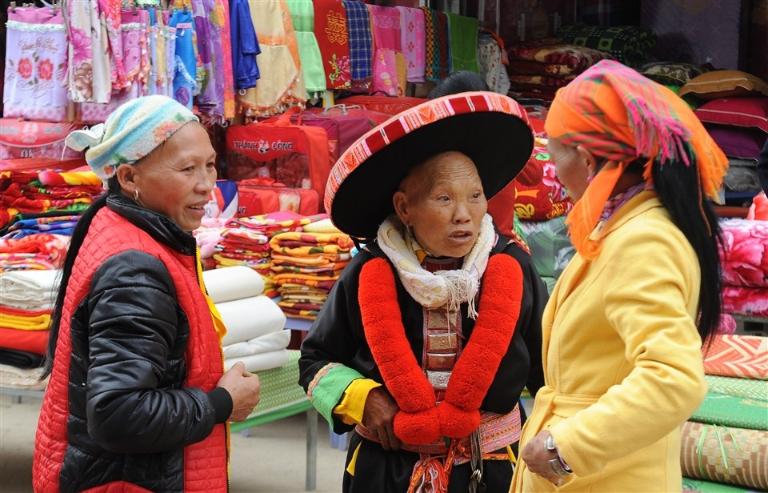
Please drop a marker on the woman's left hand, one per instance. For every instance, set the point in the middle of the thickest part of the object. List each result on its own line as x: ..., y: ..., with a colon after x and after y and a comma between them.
x: 537, y: 457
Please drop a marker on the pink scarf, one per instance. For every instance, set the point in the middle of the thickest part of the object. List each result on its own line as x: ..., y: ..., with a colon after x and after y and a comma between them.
x: 412, y: 39
x: 386, y: 45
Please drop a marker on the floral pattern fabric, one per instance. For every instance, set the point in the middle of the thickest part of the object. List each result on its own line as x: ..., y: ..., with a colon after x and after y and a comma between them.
x: 333, y: 39
x: 386, y: 48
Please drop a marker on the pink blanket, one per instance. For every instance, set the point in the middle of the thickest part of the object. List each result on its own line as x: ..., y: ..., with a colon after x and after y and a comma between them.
x: 744, y: 254
x: 746, y: 301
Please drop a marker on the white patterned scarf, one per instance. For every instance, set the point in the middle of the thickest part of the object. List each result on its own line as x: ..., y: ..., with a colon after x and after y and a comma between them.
x: 449, y: 288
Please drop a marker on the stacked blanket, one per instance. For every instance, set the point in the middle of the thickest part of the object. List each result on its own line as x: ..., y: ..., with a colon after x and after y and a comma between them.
x: 25, y: 316
x: 305, y: 266
x: 255, y: 324
x: 726, y: 439
x: 42, y: 251
x: 744, y: 259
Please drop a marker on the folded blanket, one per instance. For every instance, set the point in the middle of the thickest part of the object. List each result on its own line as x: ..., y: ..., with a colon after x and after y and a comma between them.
x: 50, y: 246
x: 316, y: 261
x: 577, y: 58
x: 307, y: 244
x: 250, y: 318
x: 50, y: 178
x: 20, y: 322
x: 738, y: 387
x: 260, y: 345
x: 29, y: 289
x: 536, y: 81
x: 299, y: 305
x: 20, y: 359
x: 528, y: 67
x: 260, y: 265
x: 698, y: 486
x: 725, y: 455
x: 273, y: 223
x: 321, y: 271
x: 302, y: 314
x: 31, y: 341
x: 323, y: 282
x: 737, y: 356
x: 321, y: 226
x: 19, y: 378
x: 260, y: 362
x: 728, y: 410
x: 744, y: 253
x: 752, y: 302
x: 233, y: 283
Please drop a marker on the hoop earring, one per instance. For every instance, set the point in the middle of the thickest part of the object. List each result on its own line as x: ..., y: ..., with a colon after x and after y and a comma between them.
x: 136, y: 195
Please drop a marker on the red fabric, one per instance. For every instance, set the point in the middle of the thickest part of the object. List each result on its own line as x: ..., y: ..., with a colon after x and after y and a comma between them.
x: 205, y: 462
x: 333, y: 39
x: 419, y: 421
x: 540, y: 201
x: 254, y: 200
x: 737, y: 356
x: 32, y: 341
x: 383, y: 104
x: 737, y: 112
x: 752, y: 302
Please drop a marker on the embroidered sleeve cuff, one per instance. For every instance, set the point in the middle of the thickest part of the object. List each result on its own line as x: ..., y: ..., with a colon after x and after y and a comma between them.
x: 328, y: 387
x: 350, y: 410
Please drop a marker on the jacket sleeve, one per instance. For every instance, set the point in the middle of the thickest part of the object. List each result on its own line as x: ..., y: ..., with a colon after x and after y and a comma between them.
x: 133, y: 324
x: 651, y: 278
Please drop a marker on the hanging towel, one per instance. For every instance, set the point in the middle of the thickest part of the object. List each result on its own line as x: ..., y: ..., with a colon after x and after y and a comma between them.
x: 360, y: 44
x: 463, y: 42
x: 303, y: 17
x: 386, y: 46
x: 333, y: 38
x: 185, y: 65
x: 412, y: 42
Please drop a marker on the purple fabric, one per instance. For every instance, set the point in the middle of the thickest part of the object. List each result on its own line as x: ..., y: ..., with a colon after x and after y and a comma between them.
x: 744, y: 143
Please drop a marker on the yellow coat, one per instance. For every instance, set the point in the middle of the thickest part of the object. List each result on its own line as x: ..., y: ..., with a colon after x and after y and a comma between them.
x: 622, y: 358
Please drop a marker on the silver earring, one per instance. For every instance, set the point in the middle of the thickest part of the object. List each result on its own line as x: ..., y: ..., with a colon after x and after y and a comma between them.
x: 136, y: 195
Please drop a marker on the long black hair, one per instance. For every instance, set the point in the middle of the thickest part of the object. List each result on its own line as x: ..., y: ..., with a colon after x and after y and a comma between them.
x: 695, y: 217
x: 78, y: 235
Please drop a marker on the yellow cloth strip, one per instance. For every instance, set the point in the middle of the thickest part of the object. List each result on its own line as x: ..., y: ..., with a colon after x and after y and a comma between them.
x: 350, y: 410
x: 353, y: 461
x: 37, y: 322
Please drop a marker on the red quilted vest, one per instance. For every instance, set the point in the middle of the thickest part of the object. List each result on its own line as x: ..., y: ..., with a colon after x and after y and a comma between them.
x: 205, y: 462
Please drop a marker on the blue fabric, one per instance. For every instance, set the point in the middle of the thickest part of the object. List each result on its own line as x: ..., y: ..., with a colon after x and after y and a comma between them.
x: 245, y: 46
x: 184, y: 84
x: 360, y: 40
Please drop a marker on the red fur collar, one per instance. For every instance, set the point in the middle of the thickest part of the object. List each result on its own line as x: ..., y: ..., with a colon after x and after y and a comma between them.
x: 420, y: 420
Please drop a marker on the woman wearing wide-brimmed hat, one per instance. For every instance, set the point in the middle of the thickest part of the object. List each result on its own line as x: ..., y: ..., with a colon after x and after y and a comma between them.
x: 433, y: 330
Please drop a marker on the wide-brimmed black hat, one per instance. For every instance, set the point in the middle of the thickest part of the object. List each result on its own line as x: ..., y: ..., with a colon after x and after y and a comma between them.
x: 491, y: 129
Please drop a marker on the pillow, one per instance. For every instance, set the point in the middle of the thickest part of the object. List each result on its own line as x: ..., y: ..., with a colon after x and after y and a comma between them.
x: 725, y: 83
x: 736, y: 112
x: 744, y: 143
x: 675, y: 74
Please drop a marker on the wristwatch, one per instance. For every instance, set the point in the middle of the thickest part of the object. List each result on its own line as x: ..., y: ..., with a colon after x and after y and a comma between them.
x: 550, y: 445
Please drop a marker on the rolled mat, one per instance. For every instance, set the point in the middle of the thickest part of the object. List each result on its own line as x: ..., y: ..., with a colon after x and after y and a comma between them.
x: 260, y: 362
x: 233, y: 283
x: 738, y: 387
x: 250, y: 318
x: 737, y: 356
x: 264, y: 344
x: 698, y: 486
x: 725, y: 455
x: 728, y: 410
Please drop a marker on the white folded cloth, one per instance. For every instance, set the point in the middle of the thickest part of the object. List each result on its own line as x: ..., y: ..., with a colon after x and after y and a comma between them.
x: 264, y: 344
x: 233, y: 283
x: 250, y: 318
x: 29, y: 289
x: 22, y: 378
x: 260, y: 362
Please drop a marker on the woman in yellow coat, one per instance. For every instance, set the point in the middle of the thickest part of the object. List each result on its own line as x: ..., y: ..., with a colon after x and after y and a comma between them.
x: 623, y: 329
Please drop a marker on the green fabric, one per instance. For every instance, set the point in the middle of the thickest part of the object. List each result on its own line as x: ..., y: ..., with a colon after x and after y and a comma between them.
x: 551, y: 248
x: 727, y: 410
x: 330, y: 389
x: 738, y: 387
x: 463, y: 42
x: 697, y: 486
x: 303, y: 17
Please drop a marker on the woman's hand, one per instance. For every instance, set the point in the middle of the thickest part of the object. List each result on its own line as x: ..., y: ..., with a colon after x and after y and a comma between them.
x: 379, y: 417
x: 537, y: 457
x: 244, y: 388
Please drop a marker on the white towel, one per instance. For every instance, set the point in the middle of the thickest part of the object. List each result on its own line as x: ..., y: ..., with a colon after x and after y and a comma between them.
x: 233, y: 283
x: 250, y: 318
x: 29, y: 289
x: 264, y: 344
x: 260, y: 362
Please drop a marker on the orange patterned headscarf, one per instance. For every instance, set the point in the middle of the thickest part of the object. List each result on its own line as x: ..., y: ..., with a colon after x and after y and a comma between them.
x: 617, y: 114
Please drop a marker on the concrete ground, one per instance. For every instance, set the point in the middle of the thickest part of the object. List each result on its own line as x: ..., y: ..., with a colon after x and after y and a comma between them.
x: 271, y: 460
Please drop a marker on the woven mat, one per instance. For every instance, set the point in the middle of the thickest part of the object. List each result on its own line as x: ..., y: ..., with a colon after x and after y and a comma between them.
x: 737, y: 356
x: 738, y: 387
x: 698, y: 486
x: 728, y: 410
x: 725, y: 455
x: 280, y: 387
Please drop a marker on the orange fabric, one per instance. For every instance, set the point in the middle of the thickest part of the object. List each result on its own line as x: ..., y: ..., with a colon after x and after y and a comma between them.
x: 619, y: 115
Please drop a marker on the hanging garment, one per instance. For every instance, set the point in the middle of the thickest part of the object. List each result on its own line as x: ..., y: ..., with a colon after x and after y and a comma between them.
x: 360, y: 44
x: 185, y: 65
x: 111, y: 18
x: 206, y: 97
x: 463, y: 42
x: 443, y: 45
x: 35, y: 65
x: 170, y: 50
x: 386, y: 46
x: 245, y: 46
x: 92, y: 76
x: 154, y: 59
x: 222, y: 47
x: 491, y: 65
x: 282, y: 86
x: 412, y: 41
x: 303, y: 17
x: 431, y: 46
x: 333, y: 38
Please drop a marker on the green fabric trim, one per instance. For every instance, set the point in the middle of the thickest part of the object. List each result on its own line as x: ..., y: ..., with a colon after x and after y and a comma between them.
x: 329, y: 390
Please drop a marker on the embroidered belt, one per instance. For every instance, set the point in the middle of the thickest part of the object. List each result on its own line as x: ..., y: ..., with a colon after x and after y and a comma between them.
x: 496, y: 432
